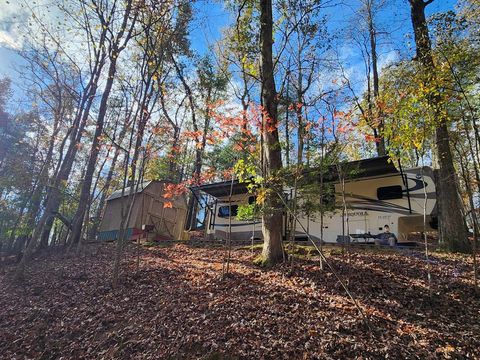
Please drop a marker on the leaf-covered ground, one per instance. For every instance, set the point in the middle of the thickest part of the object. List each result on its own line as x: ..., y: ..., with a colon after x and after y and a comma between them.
x: 177, y: 306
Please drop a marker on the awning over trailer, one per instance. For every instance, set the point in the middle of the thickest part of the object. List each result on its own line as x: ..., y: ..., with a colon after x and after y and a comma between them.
x: 365, y: 168
x: 221, y: 189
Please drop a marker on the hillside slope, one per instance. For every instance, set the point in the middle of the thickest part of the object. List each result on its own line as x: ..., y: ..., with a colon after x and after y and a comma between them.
x: 177, y: 306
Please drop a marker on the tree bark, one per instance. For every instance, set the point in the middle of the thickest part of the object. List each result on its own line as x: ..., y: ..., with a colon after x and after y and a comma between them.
x: 92, y: 161
x: 106, y: 188
x: 452, y: 228
x: 54, y: 195
x: 197, y: 167
x: 378, y: 129
x: 133, y: 181
x: 272, y: 218
x: 42, y: 182
x: 299, y: 112
x: 172, y: 163
x: 116, y: 46
x: 287, y: 119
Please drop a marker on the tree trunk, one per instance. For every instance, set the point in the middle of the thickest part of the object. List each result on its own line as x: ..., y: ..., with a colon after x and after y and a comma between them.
x: 172, y: 163
x: 452, y: 228
x: 299, y: 111
x: 103, y: 197
x: 272, y: 218
x: 287, y: 125
x: 133, y: 182
x: 43, y: 179
x: 380, y: 144
x: 94, y: 151
x: 117, y: 45
x: 197, y: 167
x: 8, y: 246
x: 54, y: 195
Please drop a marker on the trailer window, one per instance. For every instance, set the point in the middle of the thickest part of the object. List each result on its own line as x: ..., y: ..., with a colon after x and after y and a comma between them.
x: 389, y: 192
x: 224, y: 211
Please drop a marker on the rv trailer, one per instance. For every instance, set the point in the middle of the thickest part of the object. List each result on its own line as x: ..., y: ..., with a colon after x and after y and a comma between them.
x: 376, y: 193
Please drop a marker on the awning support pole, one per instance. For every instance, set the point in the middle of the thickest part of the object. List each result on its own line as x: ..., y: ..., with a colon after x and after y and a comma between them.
x: 405, y: 182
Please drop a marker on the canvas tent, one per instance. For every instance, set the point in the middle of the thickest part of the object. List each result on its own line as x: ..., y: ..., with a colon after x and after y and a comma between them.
x: 148, y: 212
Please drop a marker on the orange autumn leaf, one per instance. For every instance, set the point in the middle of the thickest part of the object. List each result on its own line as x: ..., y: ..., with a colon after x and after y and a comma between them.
x: 237, y: 147
x: 210, y: 140
x: 167, y: 204
x: 371, y: 138
x: 271, y: 128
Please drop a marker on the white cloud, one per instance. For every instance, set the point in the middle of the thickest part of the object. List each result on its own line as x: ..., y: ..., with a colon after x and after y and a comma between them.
x: 13, y: 20
x: 389, y: 58
x: 10, y: 40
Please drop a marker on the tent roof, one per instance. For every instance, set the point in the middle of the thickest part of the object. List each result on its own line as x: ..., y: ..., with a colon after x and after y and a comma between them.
x: 118, y: 193
x: 358, y: 169
x: 364, y: 168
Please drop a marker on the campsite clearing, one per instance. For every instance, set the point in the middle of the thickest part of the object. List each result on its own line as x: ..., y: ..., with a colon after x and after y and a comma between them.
x: 177, y: 306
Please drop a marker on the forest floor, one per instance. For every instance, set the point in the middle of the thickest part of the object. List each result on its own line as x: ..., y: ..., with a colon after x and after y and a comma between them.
x: 177, y: 306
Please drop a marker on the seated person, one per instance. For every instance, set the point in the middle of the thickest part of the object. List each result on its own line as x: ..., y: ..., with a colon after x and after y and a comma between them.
x: 386, y: 238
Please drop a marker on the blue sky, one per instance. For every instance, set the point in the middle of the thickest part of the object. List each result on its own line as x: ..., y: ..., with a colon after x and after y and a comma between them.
x: 211, y: 17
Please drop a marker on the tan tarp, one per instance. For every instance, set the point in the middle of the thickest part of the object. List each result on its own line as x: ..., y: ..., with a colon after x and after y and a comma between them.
x: 148, y: 209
